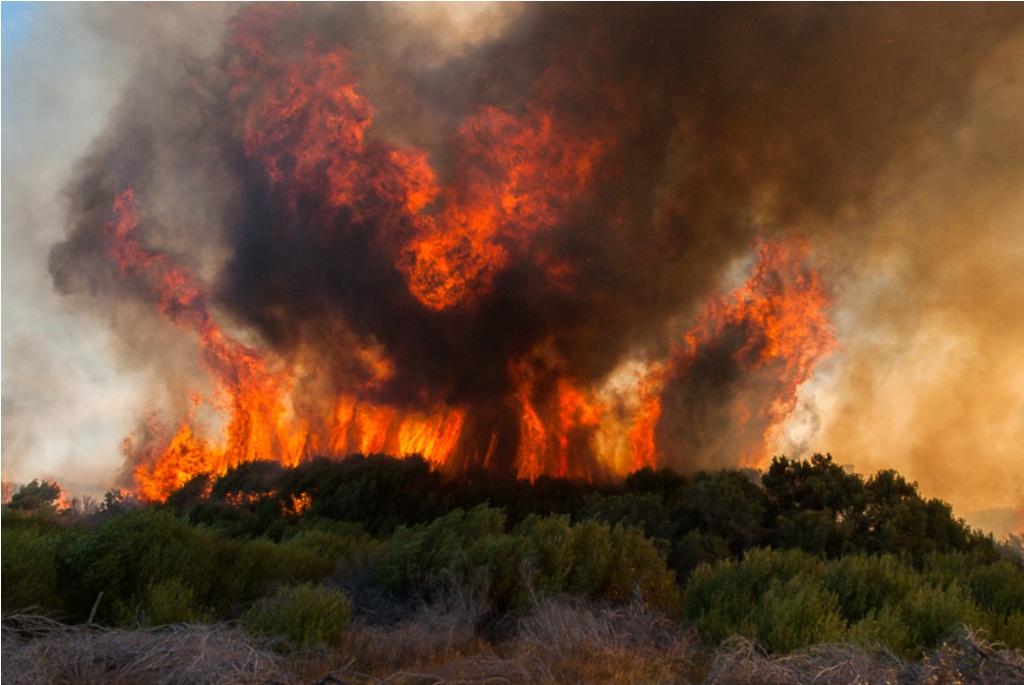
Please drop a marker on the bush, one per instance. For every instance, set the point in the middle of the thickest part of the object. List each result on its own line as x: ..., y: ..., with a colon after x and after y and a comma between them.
x: 344, y: 552
x: 31, y: 549
x: 722, y: 598
x: 777, y: 598
x: 261, y: 564
x: 550, y: 557
x: 592, y: 550
x: 998, y: 586
x: 787, y: 600
x: 543, y: 556
x: 417, y: 559
x: 865, y: 585
x: 1006, y: 628
x: 933, y: 613
x: 637, y: 567
x: 172, y: 601
x: 305, y: 615
x: 696, y: 548
x: 128, y: 553
x: 885, y: 626
x: 150, y: 561
x: 797, y: 613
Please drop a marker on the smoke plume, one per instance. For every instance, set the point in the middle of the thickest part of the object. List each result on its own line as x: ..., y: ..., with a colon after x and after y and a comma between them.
x: 568, y: 239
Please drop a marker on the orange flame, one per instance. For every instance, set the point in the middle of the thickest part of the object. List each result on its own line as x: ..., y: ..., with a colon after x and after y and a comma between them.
x: 529, y: 169
x: 641, y: 435
x: 520, y: 174
x: 262, y: 423
x: 516, y: 175
x: 782, y: 311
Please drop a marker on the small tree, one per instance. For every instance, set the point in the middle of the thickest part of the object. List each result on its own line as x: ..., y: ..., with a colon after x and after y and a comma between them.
x: 36, y: 497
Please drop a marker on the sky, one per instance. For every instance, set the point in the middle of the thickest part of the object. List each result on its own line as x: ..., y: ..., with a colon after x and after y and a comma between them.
x: 923, y: 229
x: 58, y: 379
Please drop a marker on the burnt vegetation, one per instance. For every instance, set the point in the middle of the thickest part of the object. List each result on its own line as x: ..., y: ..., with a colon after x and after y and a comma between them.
x: 386, y: 566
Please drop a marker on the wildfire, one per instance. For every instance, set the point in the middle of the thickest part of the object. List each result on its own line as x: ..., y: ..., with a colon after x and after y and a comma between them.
x: 768, y: 334
x: 517, y: 176
x: 527, y: 170
x: 262, y: 422
x: 307, y: 125
x: 557, y: 426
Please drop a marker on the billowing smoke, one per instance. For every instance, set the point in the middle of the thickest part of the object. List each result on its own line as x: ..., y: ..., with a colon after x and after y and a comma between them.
x: 931, y: 380
x: 518, y: 229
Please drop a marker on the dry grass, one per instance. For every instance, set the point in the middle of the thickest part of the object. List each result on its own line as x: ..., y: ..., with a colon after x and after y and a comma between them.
x: 39, y: 650
x: 562, y: 641
x: 432, y: 636
x: 573, y: 641
x: 965, y: 659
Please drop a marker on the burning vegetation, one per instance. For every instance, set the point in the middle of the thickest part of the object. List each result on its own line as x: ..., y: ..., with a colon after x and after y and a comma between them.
x: 497, y: 298
x: 552, y: 252
x: 467, y: 350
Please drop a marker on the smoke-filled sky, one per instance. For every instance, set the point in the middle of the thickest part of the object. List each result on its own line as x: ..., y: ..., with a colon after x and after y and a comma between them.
x: 888, y: 138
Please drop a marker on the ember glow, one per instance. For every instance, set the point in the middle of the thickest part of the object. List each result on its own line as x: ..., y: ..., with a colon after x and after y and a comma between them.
x: 567, y: 240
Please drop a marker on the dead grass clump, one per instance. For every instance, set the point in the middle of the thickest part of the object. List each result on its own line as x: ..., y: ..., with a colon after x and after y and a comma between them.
x: 564, y: 622
x: 568, y: 640
x: 561, y: 640
x: 965, y: 659
x: 40, y: 650
x: 739, y: 661
x: 969, y: 658
x: 433, y: 635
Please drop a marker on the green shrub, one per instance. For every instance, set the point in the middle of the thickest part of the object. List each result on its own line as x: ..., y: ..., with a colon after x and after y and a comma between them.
x: 696, y: 548
x: 723, y: 598
x: 29, y: 566
x: 306, y: 615
x: 172, y: 601
x: 638, y: 567
x: 778, y: 598
x: 998, y: 586
x: 885, y: 626
x: 149, y: 560
x: 944, y: 569
x: 326, y: 545
x: 261, y: 564
x: 550, y: 557
x: 867, y: 584
x: 127, y: 553
x: 797, y: 613
x: 420, y: 558
x: 932, y: 613
x: 790, y: 599
x: 1007, y: 628
x: 592, y: 552
x: 719, y: 601
x: 497, y: 566
x: 36, y: 497
x: 543, y: 556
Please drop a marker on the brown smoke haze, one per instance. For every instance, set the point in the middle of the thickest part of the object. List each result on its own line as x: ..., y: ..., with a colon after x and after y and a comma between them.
x: 887, y: 138
x: 931, y: 381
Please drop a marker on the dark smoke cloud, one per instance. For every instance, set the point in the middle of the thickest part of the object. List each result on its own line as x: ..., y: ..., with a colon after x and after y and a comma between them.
x: 741, y: 120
